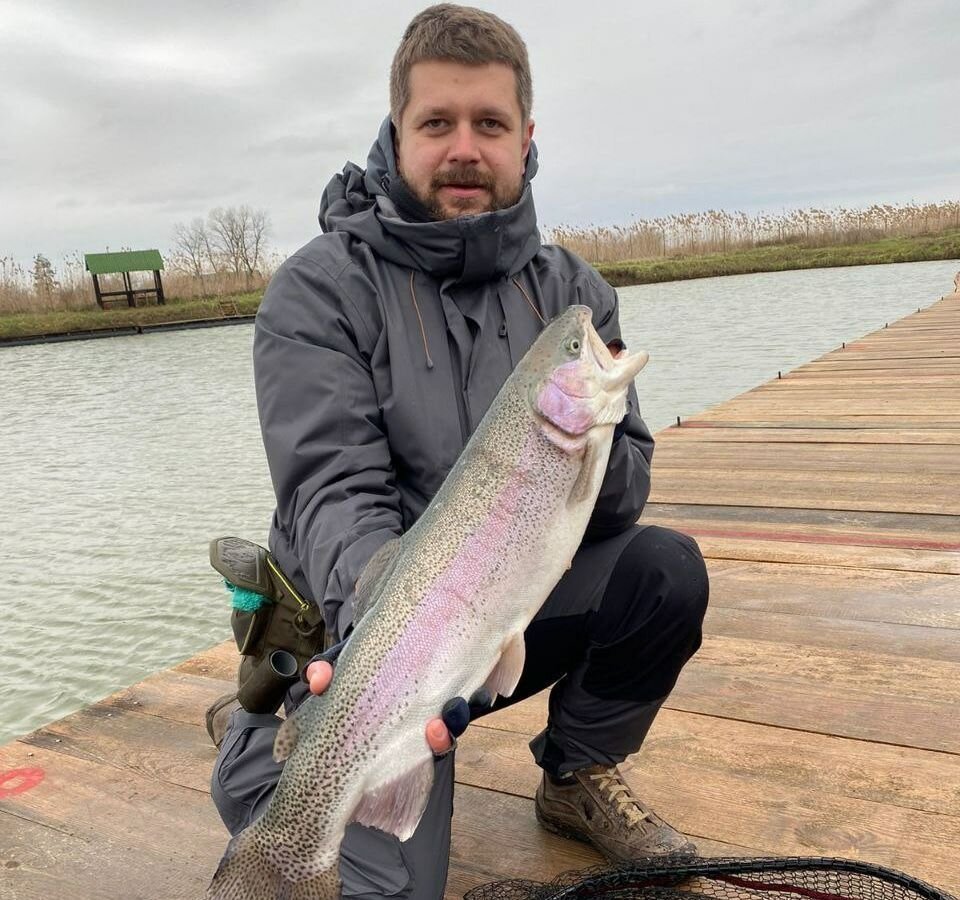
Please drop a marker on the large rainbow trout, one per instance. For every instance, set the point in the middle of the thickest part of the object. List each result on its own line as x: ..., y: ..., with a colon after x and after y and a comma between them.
x: 440, y: 613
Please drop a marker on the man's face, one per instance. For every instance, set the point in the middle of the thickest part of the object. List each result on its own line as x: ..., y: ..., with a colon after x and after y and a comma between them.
x: 461, y: 144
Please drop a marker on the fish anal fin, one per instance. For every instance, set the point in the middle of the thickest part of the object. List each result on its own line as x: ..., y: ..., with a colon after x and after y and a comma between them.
x: 286, y: 739
x: 397, y: 805
x: 373, y: 576
x: 506, y: 674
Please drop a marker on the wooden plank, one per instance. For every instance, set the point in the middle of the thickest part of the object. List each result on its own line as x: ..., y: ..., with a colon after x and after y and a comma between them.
x: 172, y: 694
x: 219, y: 662
x: 811, y: 554
x: 841, y: 526
x: 885, y: 492
x: 908, y: 598
x: 854, y: 695
x: 148, y: 745
x: 496, y: 837
x: 807, y: 794
x: 498, y: 758
x: 914, y: 641
x: 698, y: 431
x: 856, y: 458
x: 885, y: 675
x: 144, y: 838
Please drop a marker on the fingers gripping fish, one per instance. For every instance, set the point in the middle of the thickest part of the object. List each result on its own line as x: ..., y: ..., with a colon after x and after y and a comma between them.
x: 441, y: 613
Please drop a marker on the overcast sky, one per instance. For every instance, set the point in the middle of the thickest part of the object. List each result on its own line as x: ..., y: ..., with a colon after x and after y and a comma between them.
x: 119, y: 119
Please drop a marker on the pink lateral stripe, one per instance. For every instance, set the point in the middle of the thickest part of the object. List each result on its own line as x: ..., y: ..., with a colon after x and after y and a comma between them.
x: 436, y: 616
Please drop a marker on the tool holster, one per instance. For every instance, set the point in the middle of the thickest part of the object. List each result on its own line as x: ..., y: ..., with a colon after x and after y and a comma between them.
x: 279, y: 637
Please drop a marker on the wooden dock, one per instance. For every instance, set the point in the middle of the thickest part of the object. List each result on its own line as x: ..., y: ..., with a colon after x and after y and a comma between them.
x: 821, y: 716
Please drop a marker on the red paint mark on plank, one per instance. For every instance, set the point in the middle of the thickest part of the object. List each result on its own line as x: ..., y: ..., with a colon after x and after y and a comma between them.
x: 18, y: 781
x: 852, y: 540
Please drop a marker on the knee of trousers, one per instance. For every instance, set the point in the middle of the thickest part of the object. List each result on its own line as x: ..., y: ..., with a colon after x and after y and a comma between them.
x: 669, y: 564
x: 245, y: 775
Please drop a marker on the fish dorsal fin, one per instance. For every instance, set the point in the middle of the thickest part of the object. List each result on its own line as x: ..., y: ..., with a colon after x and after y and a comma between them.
x: 397, y: 805
x: 373, y: 576
x: 505, y: 675
x: 287, y: 738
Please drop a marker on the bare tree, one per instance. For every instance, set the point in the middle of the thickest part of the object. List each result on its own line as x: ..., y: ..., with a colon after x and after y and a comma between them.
x: 192, y: 247
x: 238, y: 235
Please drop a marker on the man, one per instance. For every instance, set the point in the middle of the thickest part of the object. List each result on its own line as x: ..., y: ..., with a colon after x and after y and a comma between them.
x: 378, y: 348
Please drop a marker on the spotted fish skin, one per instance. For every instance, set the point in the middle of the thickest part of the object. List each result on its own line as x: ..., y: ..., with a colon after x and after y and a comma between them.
x: 443, y: 611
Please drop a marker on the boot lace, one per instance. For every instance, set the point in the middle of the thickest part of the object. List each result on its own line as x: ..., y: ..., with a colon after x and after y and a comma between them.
x: 611, y: 784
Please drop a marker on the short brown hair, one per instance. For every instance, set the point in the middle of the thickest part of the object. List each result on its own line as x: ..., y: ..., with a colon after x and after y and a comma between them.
x: 460, y: 34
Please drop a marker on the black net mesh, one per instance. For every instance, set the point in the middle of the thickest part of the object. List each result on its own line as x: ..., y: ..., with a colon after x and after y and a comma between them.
x: 795, y: 878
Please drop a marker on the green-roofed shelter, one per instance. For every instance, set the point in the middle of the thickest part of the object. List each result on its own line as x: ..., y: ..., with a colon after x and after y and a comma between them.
x: 123, y: 264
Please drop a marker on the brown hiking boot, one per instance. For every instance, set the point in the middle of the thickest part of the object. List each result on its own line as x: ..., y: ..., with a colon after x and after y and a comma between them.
x: 218, y: 716
x: 596, y: 806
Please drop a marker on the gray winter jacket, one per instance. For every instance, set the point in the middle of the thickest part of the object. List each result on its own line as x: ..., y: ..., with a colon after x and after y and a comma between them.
x: 379, y: 346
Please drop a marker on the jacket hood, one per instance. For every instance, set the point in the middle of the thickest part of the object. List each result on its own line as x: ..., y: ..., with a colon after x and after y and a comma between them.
x: 466, y: 249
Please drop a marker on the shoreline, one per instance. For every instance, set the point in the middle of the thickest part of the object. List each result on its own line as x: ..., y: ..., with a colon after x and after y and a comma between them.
x: 122, y: 331
x: 784, y: 258
x: 25, y: 329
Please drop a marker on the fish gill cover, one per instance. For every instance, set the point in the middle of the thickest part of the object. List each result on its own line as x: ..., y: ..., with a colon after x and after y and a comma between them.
x: 813, y: 878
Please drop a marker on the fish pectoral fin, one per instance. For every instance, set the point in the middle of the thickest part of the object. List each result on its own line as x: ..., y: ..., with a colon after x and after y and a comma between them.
x: 286, y: 739
x: 397, y: 805
x: 506, y: 674
x: 583, y: 486
x: 374, y: 574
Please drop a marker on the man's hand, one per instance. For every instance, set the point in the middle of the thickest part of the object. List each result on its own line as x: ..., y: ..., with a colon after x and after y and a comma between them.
x: 440, y: 731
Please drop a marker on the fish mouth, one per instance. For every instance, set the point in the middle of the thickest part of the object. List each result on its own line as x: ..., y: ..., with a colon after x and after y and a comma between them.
x: 617, y: 371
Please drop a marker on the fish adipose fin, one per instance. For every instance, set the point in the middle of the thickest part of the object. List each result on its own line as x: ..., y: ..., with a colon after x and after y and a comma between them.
x: 396, y: 806
x: 506, y: 674
x: 373, y: 576
x: 245, y: 873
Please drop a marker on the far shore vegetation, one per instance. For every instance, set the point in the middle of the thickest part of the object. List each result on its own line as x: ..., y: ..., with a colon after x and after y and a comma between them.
x: 219, y: 266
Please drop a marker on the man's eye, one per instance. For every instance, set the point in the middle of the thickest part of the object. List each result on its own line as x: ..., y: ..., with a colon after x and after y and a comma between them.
x: 434, y: 124
x: 489, y: 124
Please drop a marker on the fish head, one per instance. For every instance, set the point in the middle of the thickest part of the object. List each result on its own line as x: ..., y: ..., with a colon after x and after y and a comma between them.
x: 576, y: 385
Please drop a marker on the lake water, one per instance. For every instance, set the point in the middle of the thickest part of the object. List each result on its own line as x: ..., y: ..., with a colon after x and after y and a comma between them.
x: 121, y: 458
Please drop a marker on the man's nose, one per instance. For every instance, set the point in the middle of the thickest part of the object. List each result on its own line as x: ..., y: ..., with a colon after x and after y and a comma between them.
x: 464, y: 147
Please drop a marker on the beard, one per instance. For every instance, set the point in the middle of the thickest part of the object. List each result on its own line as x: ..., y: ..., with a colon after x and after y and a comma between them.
x: 498, y: 196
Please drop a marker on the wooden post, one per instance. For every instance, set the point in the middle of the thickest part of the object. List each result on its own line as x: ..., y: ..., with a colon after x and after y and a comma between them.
x: 159, y: 283
x: 128, y: 287
x: 96, y: 290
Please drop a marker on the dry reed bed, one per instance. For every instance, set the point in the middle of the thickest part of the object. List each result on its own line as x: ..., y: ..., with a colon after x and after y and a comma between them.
x: 44, y: 288
x: 71, y: 288
x: 717, y: 231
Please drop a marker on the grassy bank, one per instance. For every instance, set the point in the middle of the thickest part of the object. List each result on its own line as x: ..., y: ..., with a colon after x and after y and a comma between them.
x: 64, y: 321
x: 778, y: 258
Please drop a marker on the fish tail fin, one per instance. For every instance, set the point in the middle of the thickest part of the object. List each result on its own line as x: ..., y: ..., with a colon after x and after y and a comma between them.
x: 245, y: 873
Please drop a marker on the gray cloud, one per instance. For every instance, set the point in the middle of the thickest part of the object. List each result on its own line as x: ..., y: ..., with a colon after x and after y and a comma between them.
x: 120, y: 121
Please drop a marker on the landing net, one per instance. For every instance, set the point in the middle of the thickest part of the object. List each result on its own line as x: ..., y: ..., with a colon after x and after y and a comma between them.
x: 794, y: 878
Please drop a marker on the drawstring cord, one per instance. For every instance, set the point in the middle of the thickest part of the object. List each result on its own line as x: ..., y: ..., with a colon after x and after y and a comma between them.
x: 423, y: 333
x: 526, y: 297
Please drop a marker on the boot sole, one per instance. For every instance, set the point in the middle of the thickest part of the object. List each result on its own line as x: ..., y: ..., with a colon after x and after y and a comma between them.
x: 566, y: 831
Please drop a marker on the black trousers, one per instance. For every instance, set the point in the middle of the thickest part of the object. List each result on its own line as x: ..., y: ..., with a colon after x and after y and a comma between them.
x: 611, y: 639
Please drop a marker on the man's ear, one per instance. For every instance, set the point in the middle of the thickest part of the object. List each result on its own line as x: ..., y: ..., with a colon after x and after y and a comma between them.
x: 527, y: 138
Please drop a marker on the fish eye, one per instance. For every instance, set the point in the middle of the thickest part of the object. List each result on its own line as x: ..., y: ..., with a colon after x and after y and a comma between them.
x: 573, y: 345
